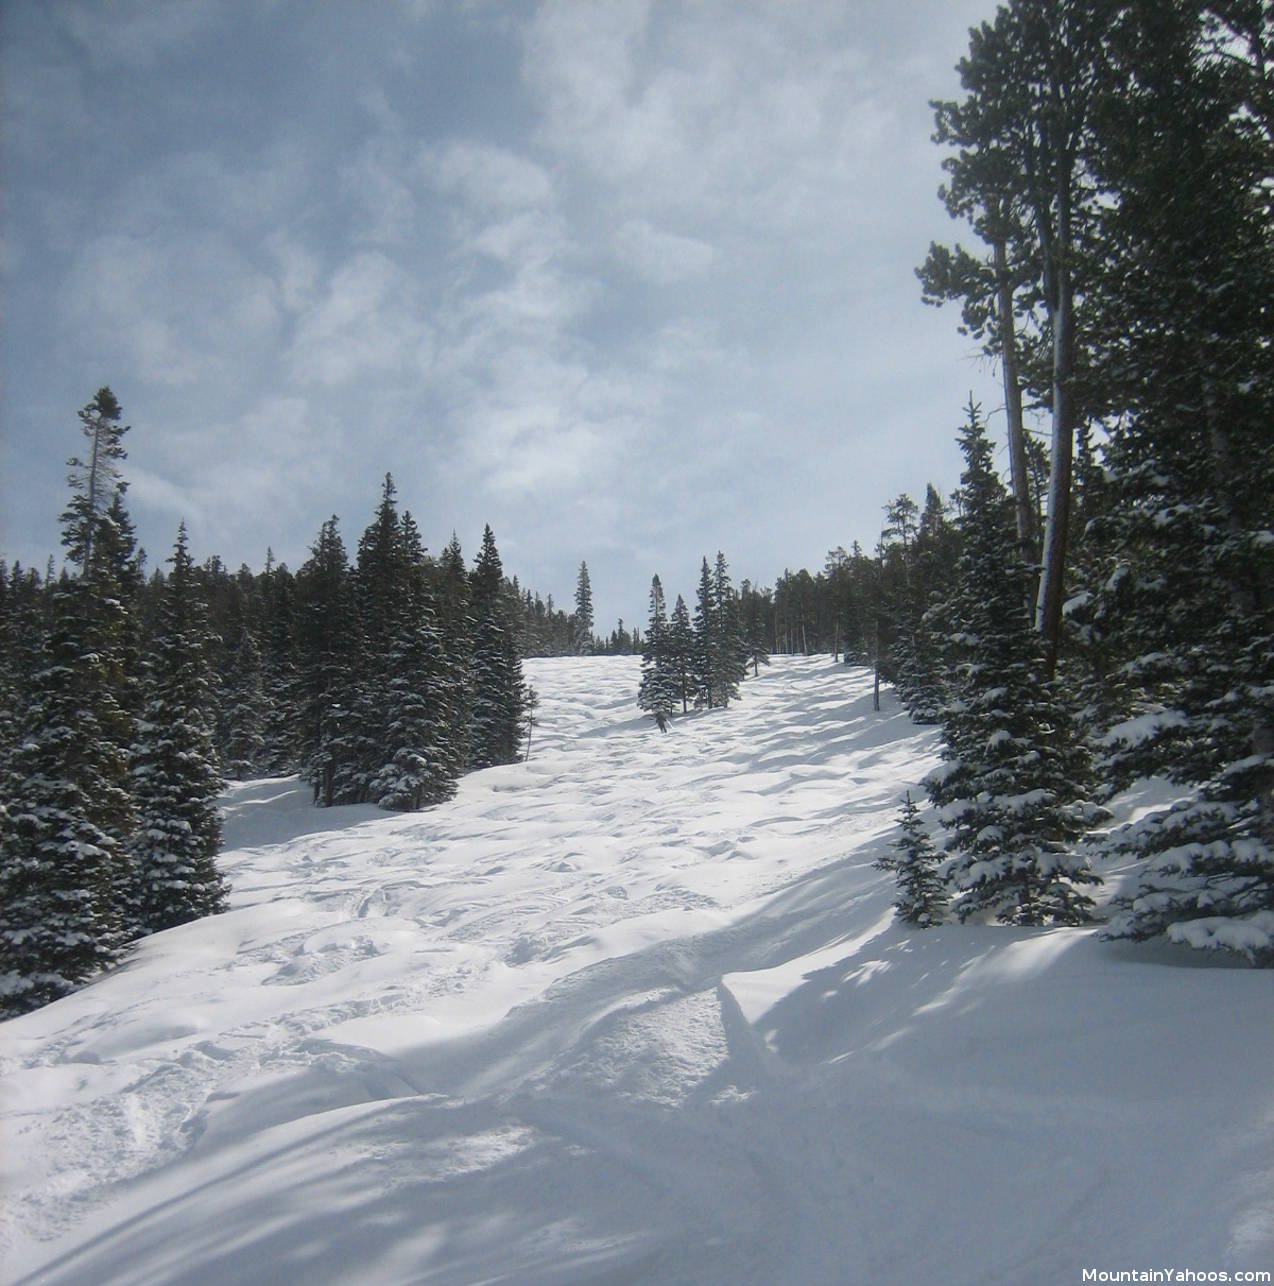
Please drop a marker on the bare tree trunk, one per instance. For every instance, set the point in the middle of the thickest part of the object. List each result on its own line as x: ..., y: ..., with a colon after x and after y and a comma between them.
x: 1020, y: 475
x: 1048, y: 616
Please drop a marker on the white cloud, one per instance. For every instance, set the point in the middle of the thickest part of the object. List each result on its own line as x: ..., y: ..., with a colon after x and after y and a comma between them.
x: 133, y: 33
x: 485, y: 176
x: 661, y: 257
x: 754, y: 117
x: 177, y: 307
x: 364, y: 324
x: 377, y: 179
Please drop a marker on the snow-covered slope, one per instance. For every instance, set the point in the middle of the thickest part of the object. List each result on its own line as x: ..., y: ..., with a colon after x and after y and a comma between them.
x: 633, y: 1011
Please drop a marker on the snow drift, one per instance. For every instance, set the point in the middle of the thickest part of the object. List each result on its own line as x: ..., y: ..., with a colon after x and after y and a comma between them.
x: 636, y: 1010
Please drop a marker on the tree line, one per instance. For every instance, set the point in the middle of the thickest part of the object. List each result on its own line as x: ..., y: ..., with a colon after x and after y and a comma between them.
x: 126, y: 699
x: 1108, y: 615
x: 700, y: 663
x: 1115, y: 165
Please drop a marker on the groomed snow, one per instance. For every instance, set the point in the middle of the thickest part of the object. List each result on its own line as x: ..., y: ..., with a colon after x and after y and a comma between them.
x: 634, y: 1011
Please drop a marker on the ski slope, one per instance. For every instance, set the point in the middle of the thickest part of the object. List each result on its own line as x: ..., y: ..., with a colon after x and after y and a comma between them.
x: 633, y: 1011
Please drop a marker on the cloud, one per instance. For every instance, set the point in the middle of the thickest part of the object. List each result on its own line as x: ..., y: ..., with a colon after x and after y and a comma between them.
x: 133, y: 33
x: 485, y: 176
x: 179, y: 307
x: 661, y: 257
x: 753, y: 117
x: 364, y: 324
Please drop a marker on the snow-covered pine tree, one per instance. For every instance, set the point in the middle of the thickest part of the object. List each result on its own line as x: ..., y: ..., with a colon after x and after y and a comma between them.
x: 175, y: 774
x: 656, y: 694
x: 703, y: 671
x: 499, y: 693
x: 244, y: 709
x: 918, y: 663
x: 418, y: 767
x: 60, y: 859
x: 280, y: 680
x: 752, y: 606
x: 330, y: 645
x: 12, y: 676
x: 382, y: 575
x: 583, y: 619
x: 456, y: 627
x: 681, y: 654
x: 922, y: 894
x: 98, y: 534
x: 729, y: 650
x: 1186, y: 598
x: 419, y: 764
x: 1013, y: 788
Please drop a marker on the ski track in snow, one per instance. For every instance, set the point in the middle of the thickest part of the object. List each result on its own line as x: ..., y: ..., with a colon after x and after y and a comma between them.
x: 635, y: 1010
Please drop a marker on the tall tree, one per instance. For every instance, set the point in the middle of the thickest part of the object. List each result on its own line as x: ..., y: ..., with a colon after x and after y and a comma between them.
x: 279, y: 675
x: 729, y: 650
x: 95, y: 478
x: 244, y: 710
x: 755, y: 607
x: 1024, y: 136
x: 583, y: 612
x: 330, y: 644
x: 681, y: 654
x: 705, y: 632
x: 1186, y: 587
x: 457, y: 627
x: 175, y: 774
x: 656, y: 694
x: 60, y: 918
x: 499, y: 694
x: 1012, y: 788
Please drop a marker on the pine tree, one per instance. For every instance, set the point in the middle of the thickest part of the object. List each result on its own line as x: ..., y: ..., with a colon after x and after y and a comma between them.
x: 1185, y: 589
x: 657, y: 695
x: 330, y: 645
x: 681, y: 655
x: 419, y: 767
x: 12, y: 677
x: 1012, y: 787
x: 583, y: 620
x: 1023, y: 135
x: 499, y: 694
x: 918, y: 663
x: 703, y: 670
x: 922, y: 897
x: 96, y: 528
x: 60, y: 917
x: 175, y: 774
x: 280, y: 679
x: 728, y: 649
x: 419, y: 762
x: 95, y: 480
x: 457, y: 628
x: 753, y: 608
x: 244, y: 711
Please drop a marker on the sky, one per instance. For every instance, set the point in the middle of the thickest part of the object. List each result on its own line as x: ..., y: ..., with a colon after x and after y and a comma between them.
x: 631, y: 282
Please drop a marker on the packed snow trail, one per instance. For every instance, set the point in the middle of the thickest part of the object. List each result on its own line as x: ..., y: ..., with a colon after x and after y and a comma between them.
x: 636, y: 1010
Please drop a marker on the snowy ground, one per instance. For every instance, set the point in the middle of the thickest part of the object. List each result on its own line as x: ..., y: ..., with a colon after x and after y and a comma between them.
x: 635, y: 1011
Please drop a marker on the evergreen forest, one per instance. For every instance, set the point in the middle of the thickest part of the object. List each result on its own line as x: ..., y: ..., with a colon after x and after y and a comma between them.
x: 1098, y: 612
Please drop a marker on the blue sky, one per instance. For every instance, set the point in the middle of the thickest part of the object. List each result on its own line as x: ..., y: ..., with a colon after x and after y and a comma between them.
x: 632, y: 282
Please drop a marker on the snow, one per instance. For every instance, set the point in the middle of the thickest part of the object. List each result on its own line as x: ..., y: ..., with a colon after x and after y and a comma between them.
x: 636, y: 1010
x: 1143, y: 727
